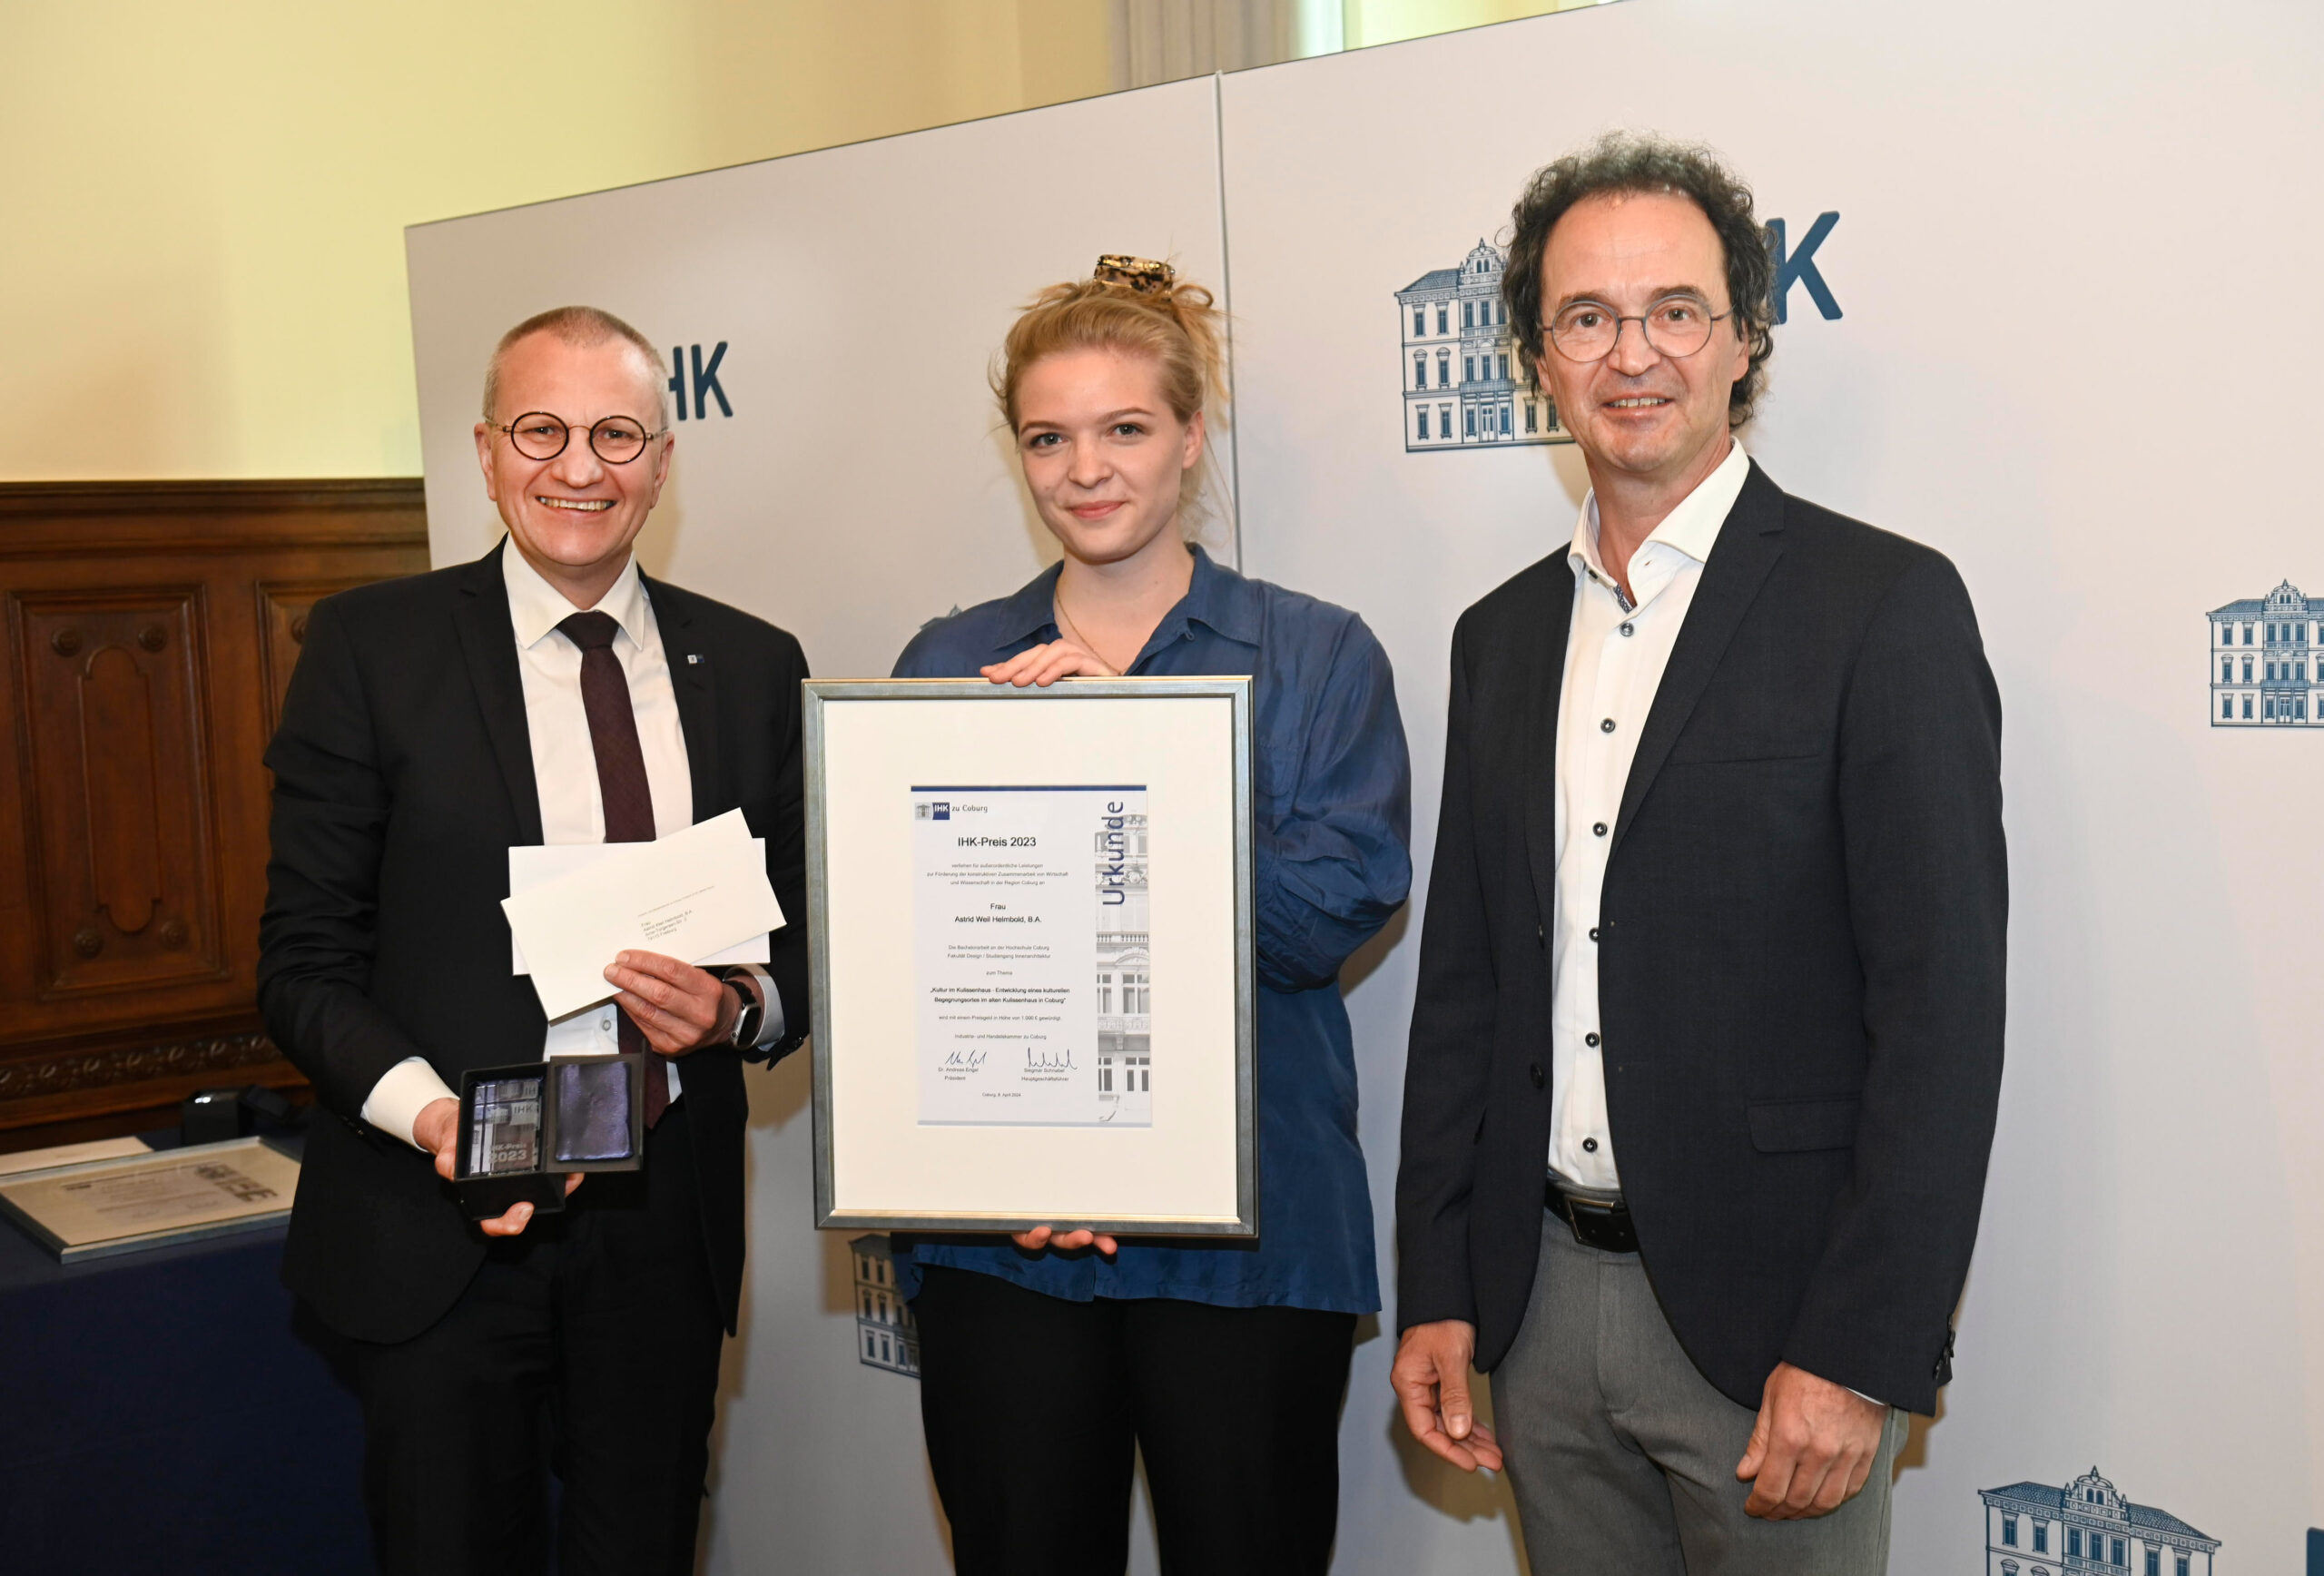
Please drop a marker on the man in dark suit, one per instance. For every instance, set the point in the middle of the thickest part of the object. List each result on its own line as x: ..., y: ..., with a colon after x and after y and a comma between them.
x: 1708, y: 1037
x: 546, y: 693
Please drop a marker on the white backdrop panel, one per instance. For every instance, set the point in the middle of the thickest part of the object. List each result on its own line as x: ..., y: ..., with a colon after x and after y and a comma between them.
x: 2036, y: 206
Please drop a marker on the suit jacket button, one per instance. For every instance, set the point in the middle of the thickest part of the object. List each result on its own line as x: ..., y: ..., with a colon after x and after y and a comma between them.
x: 1541, y: 934
x: 1537, y: 1076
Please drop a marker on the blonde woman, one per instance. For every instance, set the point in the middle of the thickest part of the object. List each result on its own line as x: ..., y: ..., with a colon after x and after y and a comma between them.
x: 1045, y: 1362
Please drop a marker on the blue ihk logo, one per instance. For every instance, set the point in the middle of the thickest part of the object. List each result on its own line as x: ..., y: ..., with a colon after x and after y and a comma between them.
x: 704, y: 386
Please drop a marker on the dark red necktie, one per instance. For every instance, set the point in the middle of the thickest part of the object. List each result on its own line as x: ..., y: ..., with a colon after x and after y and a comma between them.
x: 621, y: 783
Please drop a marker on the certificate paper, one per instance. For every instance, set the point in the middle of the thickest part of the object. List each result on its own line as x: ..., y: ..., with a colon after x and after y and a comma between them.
x: 689, y: 895
x: 1031, y: 956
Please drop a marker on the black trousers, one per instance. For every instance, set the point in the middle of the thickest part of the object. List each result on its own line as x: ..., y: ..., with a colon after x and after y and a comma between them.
x: 1032, y: 1405
x: 588, y: 1347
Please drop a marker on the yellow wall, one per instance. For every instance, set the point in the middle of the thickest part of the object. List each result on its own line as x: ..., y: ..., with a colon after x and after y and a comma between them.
x: 202, y: 271
x: 202, y: 266
x: 1370, y: 21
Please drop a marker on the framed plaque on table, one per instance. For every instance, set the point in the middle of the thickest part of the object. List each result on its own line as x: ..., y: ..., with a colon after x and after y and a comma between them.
x: 1030, y: 918
x: 119, y: 1205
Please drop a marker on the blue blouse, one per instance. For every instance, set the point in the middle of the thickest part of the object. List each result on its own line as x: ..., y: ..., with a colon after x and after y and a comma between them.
x: 1331, y: 800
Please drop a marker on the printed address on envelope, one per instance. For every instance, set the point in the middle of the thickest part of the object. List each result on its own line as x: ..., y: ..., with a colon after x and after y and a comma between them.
x: 1031, y: 955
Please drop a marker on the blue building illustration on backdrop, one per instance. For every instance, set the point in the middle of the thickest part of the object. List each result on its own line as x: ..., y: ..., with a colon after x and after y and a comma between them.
x: 886, y: 1335
x: 2034, y: 1530
x: 1463, y: 386
x: 2264, y: 656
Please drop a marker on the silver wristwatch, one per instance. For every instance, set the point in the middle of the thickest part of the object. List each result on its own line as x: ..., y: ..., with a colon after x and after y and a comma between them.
x: 754, y: 1010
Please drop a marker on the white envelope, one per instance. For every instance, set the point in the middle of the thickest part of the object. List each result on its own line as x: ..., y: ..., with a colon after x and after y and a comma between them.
x: 690, y: 895
x: 536, y: 864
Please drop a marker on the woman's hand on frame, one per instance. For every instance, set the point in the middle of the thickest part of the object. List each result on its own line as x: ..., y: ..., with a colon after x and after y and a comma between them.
x: 1046, y: 664
x: 1042, y: 1236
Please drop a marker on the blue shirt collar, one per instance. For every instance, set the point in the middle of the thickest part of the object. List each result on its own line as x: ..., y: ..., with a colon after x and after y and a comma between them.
x: 1030, y: 614
x: 1217, y: 597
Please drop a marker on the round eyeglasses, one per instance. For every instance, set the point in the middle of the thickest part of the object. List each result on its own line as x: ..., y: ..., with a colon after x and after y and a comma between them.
x: 1675, y: 326
x: 615, y: 439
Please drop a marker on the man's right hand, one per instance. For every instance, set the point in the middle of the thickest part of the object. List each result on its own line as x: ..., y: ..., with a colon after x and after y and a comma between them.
x: 437, y: 1130
x: 1431, y: 1378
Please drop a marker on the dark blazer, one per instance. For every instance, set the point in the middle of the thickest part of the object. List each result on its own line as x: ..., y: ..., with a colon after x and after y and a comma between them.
x: 403, y: 771
x: 1800, y: 961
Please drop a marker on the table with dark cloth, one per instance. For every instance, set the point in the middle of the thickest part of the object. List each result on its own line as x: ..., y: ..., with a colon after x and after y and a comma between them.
x: 173, y: 1410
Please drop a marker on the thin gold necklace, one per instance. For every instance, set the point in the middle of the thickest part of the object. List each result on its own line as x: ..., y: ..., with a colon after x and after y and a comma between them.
x: 1087, y: 644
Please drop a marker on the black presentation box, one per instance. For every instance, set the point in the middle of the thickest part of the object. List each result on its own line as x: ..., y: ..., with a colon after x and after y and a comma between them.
x: 523, y: 1129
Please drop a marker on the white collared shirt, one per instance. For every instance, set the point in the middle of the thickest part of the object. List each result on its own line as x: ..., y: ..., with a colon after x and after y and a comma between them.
x: 565, y: 759
x: 565, y: 773
x: 1614, y: 658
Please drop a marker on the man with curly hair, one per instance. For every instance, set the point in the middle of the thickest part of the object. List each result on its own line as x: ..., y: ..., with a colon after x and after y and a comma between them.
x: 1707, y: 1039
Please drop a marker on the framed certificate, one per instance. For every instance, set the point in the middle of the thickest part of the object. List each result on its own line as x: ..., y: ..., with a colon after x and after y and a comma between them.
x: 1030, y: 914
x: 101, y: 1207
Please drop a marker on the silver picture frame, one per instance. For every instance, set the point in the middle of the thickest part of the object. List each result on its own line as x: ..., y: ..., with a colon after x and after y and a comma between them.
x: 830, y: 1049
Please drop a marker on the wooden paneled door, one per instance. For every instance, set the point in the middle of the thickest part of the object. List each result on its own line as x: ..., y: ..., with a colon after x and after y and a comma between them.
x: 151, y: 630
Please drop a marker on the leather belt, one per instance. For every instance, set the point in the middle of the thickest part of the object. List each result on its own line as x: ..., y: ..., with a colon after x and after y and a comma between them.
x: 1596, y: 1223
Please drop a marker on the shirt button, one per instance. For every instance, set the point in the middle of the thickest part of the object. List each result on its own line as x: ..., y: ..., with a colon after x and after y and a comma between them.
x: 1627, y: 629
x: 1590, y: 1146
x: 1600, y: 828
x: 1607, y: 726
x: 1593, y: 932
x: 1589, y: 1038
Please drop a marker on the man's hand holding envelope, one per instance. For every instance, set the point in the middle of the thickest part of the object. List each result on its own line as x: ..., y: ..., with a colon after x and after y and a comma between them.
x: 621, y: 926
x: 675, y: 901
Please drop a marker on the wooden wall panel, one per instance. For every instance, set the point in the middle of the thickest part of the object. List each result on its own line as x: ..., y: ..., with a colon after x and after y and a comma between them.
x: 150, y: 631
x: 116, y: 783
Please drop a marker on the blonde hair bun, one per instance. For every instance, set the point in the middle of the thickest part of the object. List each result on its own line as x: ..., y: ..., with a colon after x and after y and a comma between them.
x: 1132, y: 304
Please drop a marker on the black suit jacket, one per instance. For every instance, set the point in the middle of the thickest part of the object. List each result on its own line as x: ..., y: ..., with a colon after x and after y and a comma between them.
x: 1800, y: 965
x: 403, y: 771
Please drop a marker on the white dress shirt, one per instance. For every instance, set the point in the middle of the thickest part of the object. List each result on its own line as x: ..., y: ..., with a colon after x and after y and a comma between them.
x: 1614, y: 657
x: 565, y: 771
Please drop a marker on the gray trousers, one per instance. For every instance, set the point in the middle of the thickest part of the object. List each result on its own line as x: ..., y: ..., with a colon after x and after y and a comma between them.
x: 1622, y: 1455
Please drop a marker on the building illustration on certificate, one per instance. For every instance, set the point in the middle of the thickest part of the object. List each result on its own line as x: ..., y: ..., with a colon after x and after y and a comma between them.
x: 1463, y: 385
x: 885, y: 1336
x: 2034, y: 1530
x: 1030, y: 955
x: 1125, y: 971
x: 2264, y: 656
